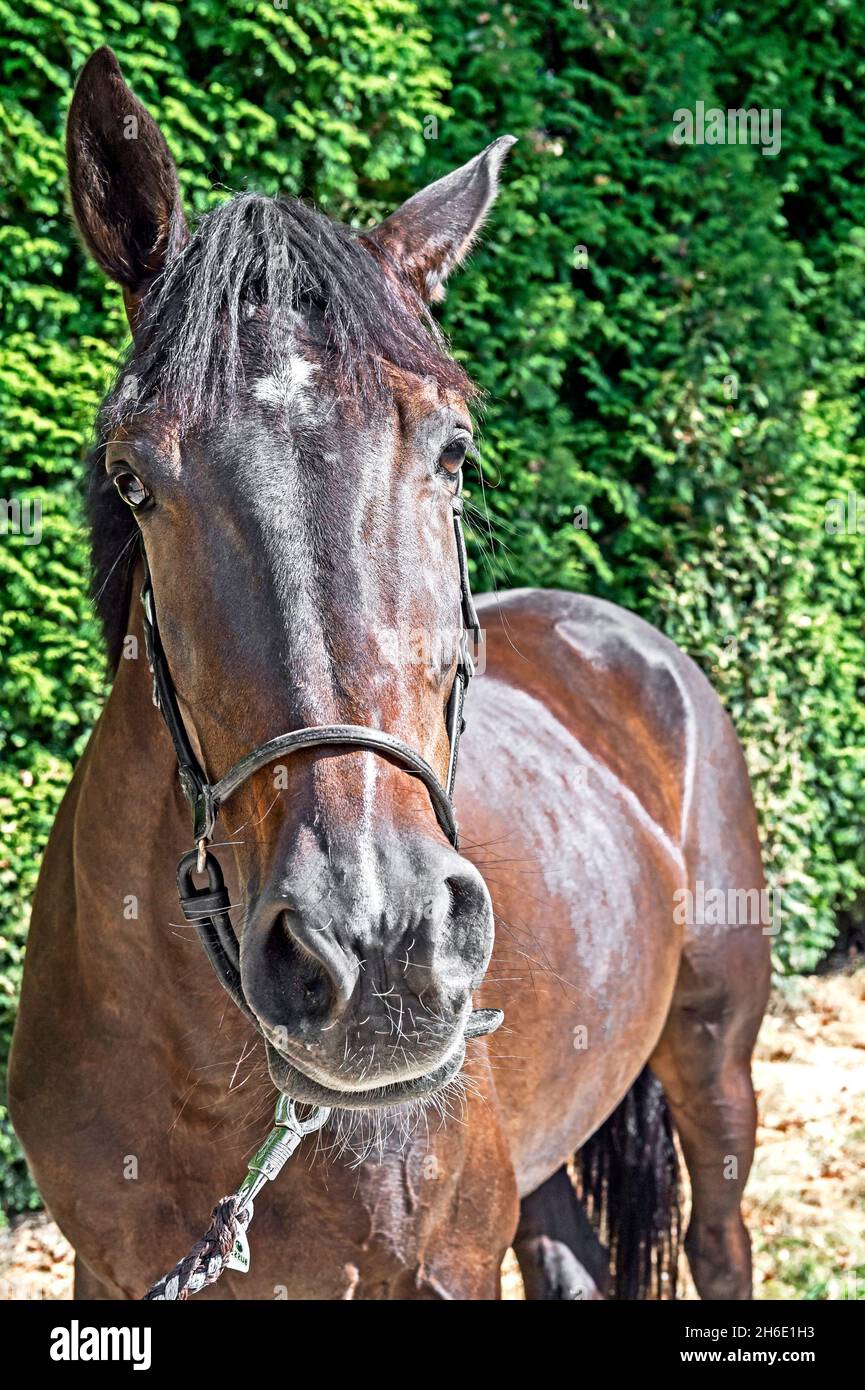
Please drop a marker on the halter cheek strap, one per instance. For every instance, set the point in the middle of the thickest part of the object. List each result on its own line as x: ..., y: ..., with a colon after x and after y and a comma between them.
x: 208, y: 908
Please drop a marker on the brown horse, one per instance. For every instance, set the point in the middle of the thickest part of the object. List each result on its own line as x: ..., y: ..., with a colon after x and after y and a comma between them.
x: 285, y: 442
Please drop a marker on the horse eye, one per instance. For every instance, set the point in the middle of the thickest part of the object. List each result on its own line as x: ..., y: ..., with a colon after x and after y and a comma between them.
x: 453, y: 456
x: 131, y: 488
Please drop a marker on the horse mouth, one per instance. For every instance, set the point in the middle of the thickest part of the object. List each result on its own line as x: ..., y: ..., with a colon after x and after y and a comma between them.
x: 292, y: 1081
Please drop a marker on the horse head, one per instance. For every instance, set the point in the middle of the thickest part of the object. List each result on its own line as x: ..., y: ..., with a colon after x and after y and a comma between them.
x: 286, y: 441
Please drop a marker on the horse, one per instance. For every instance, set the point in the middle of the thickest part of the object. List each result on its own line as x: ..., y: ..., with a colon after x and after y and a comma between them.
x: 283, y: 451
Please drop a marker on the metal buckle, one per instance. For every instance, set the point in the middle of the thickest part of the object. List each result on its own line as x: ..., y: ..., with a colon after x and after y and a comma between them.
x: 467, y: 661
x: 280, y: 1144
x: 201, y: 803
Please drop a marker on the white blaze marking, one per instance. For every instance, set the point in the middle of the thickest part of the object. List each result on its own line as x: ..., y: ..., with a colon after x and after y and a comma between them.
x: 290, y: 387
x: 370, y: 896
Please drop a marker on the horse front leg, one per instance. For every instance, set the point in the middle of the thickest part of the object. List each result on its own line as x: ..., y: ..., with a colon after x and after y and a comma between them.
x: 560, y: 1257
x: 87, y: 1287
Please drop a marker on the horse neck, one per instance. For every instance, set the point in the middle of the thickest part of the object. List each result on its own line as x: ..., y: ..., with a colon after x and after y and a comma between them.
x: 130, y: 821
x: 139, y: 973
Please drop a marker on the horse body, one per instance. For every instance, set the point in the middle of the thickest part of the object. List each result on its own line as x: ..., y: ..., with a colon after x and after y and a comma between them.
x: 581, y: 804
x: 285, y: 527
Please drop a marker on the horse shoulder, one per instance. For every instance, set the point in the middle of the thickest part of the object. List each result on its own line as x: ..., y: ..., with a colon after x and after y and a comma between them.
x: 636, y: 704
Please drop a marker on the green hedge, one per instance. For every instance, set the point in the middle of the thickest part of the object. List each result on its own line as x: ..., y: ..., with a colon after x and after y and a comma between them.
x: 609, y: 383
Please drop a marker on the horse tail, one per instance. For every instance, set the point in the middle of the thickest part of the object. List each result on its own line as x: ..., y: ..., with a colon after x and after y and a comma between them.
x: 628, y: 1179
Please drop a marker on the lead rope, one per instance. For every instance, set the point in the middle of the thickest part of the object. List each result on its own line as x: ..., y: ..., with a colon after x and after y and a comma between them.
x: 224, y: 1244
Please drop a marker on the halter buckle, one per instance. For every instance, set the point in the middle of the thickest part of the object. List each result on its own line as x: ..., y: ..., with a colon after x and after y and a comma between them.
x: 466, y: 660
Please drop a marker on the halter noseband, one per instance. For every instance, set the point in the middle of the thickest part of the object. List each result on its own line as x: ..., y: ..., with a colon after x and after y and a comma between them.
x: 207, y: 908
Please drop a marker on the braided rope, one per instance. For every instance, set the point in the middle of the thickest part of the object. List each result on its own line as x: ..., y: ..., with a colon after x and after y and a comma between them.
x: 207, y: 1258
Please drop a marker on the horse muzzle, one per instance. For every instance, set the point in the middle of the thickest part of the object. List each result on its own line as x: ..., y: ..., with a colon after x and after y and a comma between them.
x: 295, y: 1082
x: 364, y: 996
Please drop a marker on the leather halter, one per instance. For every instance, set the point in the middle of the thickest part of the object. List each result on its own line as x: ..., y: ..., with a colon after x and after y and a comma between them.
x: 208, y: 907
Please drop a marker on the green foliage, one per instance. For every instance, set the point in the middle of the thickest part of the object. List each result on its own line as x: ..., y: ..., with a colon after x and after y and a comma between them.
x: 695, y: 386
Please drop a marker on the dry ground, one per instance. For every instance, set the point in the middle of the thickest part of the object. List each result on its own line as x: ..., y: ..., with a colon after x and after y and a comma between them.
x: 806, y: 1195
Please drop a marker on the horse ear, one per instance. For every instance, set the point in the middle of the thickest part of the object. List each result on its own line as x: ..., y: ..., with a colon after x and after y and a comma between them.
x: 122, y: 180
x: 434, y: 230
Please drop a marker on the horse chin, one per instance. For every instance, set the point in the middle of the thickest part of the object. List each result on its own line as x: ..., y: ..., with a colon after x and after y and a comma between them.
x: 292, y: 1082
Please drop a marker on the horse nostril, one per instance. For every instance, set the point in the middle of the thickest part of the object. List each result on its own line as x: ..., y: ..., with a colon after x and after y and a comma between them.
x: 469, y: 923
x: 327, y: 970
x: 301, y: 974
x: 289, y: 989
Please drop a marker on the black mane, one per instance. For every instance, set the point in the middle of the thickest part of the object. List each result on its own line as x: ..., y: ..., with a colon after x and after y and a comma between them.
x: 257, y: 273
